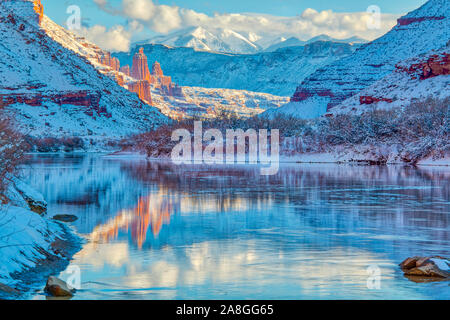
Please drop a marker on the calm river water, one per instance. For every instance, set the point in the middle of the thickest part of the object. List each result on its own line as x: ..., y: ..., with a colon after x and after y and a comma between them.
x: 154, y: 230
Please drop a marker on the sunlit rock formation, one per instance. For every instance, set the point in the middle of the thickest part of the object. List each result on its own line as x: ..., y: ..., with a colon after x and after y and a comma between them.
x: 125, y: 70
x: 143, y: 90
x: 107, y: 60
x: 139, y: 69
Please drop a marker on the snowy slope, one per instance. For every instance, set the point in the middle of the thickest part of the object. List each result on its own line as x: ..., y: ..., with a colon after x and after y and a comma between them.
x: 210, y: 39
x: 403, y: 85
x: 423, y: 30
x: 276, y: 73
x: 51, y: 88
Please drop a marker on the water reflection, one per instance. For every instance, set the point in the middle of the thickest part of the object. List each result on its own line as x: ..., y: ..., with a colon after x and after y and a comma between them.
x: 156, y: 230
x: 150, y: 213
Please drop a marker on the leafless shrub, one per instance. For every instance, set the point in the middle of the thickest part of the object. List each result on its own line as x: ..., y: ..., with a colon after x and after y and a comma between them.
x: 52, y: 144
x: 419, y: 130
x: 12, y: 149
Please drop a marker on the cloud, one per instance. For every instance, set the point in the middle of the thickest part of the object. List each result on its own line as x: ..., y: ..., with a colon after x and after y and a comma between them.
x: 165, y: 19
x: 116, y: 38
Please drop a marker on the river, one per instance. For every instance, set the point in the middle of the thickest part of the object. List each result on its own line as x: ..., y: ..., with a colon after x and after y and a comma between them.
x: 155, y: 230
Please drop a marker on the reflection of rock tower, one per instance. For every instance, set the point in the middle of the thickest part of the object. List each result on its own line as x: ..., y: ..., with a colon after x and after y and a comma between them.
x: 139, y: 69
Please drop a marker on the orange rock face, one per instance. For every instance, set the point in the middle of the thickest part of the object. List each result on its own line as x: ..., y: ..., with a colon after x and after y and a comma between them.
x: 119, y: 79
x: 156, y: 70
x: 109, y: 61
x: 39, y: 9
x: 145, y: 79
x: 143, y: 90
x: 139, y: 69
x: 164, y: 83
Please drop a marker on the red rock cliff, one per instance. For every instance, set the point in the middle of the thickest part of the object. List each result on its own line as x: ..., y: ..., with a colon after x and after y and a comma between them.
x: 435, y: 65
x: 88, y: 99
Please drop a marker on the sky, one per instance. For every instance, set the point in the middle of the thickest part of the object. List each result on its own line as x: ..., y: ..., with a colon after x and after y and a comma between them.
x: 115, y: 24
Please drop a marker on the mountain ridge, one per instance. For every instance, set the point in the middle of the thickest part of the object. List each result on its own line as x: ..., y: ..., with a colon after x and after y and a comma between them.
x: 270, y: 72
x: 223, y: 40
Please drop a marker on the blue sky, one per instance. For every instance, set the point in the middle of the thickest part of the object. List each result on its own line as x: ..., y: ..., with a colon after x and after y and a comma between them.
x: 56, y: 9
x: 114, y: 24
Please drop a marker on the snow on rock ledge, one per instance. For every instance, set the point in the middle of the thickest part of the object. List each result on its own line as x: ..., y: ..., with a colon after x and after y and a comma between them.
x: 34, y: 199
x: 30, y: 245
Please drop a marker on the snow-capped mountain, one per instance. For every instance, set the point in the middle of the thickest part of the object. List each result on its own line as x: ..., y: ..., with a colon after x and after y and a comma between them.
x: 415, y: 34
x: 52, y: 84
x: 276, y: 73
x: 295, y: 42
x: 230, y: 41
x: 211, y: 39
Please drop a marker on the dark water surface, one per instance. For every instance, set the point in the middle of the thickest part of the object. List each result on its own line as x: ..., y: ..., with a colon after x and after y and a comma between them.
x: 159, y: 231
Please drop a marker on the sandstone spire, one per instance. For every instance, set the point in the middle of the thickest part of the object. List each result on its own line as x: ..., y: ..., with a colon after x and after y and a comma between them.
x: 156, y: 70
x: 139, y: 69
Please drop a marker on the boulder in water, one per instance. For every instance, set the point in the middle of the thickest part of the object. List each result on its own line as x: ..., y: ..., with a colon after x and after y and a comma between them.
x: 58, y: 288
x: 65, y: 217
x: 434, y: 267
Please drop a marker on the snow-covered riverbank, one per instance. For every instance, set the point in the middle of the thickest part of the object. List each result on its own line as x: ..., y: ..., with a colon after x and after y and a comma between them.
x: 32, y: 246
x: 329, y: 157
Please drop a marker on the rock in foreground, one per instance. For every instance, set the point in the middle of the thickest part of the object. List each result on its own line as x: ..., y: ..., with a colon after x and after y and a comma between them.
x: 435, y: 267
x: 58, y: 288
x: 65, y: 217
